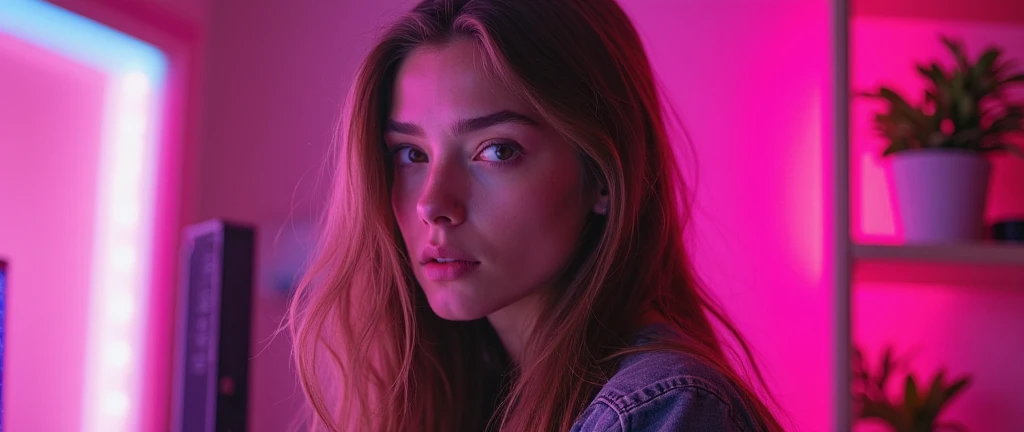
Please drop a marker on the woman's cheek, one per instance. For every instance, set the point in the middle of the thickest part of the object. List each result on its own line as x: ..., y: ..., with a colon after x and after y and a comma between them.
x: 403, y: 200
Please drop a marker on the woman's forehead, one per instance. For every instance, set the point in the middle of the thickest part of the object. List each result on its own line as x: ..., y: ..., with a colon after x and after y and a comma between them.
x: 452, y: 80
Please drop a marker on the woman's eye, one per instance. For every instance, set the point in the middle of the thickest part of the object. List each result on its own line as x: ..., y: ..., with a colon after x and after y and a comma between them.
x: 408, y: 155
x: 501, y: 152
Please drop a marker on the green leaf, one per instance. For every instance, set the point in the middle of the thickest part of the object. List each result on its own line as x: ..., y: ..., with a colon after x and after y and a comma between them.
x: 896, y: 147
x: 1012, y: 120
x: 956, y: 85
x: 892, y: 96
x: 955, y: 389
x: 913, y: 118
x: 939, y: 139
x: 1010, y: 148
x: 964, y: 110
x: 1001, y: 70
x: 910, y: 398
x: 957, y: 48
x: 883, y: 377
x: 881, y: 411
x: 985, y: 62
x: 859, y: 371
x: 935, y: 74
x: 934, y: 396
x: 1015, y: 78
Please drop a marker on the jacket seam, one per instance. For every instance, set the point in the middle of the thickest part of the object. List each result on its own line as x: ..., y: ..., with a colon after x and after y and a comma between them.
x: 622, y: 410
x: 618, y: 415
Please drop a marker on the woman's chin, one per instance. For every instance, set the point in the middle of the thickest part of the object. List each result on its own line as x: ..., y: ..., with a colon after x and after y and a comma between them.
x: 455, y: 309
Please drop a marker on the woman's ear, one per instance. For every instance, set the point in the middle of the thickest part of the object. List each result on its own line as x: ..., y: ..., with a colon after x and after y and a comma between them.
x: 601, y: 206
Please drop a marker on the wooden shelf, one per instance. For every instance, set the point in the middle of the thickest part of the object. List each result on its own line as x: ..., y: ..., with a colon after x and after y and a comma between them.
x: 988, y: 264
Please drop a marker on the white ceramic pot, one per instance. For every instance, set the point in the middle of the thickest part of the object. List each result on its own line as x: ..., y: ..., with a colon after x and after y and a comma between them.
x: 940, y: 194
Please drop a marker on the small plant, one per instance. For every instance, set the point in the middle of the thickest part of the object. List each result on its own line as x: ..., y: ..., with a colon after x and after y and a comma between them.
x: 965, y: 107
x: 917, y: 410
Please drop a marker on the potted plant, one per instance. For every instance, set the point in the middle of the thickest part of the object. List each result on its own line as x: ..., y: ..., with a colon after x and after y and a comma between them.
x: 937, y: 148
x: 917, y: 409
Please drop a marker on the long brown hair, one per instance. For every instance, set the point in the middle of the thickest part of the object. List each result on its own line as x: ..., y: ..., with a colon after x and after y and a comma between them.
x: 370, y: 353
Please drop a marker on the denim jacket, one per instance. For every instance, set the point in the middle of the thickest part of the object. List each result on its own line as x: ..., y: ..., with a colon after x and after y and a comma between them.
x: 662, y: 391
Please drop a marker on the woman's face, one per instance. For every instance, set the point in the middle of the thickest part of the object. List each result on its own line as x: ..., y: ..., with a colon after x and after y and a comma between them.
x: 479, y: 178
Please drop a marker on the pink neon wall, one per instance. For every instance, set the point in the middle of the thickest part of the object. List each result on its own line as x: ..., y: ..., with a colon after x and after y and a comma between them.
x: 751, y: 82
x: 969, y: 329
x: 50, y: 116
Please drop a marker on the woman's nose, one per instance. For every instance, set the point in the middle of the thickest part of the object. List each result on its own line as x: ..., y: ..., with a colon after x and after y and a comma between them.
x: 443, y: 196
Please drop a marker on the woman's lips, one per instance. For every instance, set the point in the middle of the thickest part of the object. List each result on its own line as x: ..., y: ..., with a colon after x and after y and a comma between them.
x: 448, y: 271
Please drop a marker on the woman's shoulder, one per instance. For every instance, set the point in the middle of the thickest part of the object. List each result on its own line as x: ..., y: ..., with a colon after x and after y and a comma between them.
x: 663, y: 390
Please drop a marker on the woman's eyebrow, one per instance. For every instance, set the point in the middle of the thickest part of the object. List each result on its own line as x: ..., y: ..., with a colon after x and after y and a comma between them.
x: 501, y: 117
x: 465, y: 126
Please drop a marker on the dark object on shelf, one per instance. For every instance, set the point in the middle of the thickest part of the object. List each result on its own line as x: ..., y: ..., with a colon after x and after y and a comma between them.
x: 1009, y: 230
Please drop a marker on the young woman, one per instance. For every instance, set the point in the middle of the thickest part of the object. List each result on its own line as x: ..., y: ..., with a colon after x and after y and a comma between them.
x: 504, y: 245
